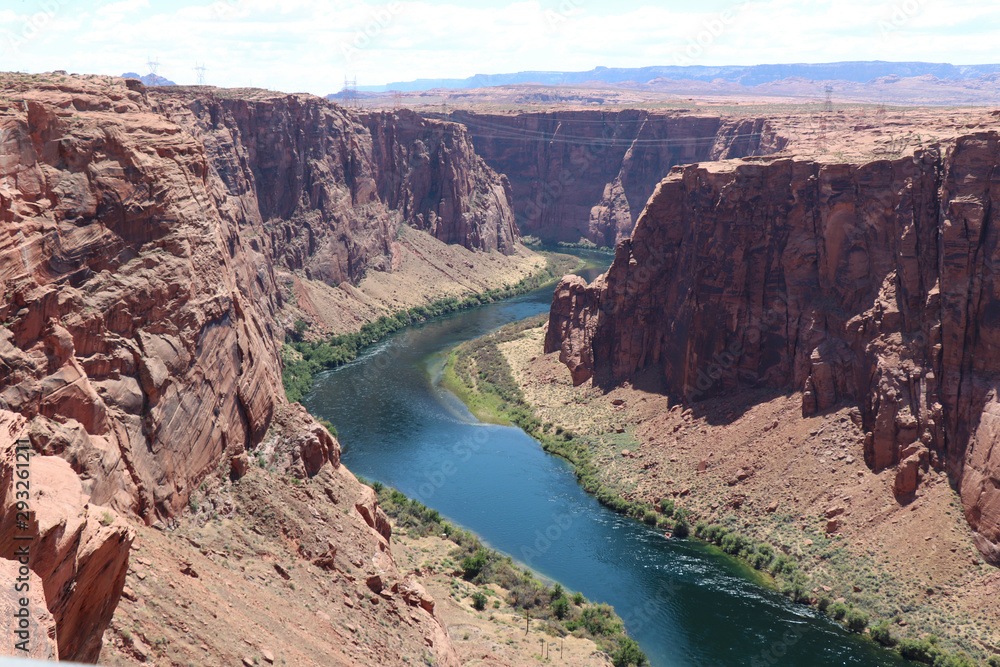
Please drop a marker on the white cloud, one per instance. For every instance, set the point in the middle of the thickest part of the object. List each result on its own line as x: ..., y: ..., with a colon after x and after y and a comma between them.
x: 312, y: 44
x: 117, y: 10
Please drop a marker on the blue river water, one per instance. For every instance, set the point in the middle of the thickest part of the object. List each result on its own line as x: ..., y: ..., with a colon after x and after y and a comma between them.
x: 687, y: 604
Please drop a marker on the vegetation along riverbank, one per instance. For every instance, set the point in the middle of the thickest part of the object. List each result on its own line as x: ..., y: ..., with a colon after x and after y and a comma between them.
x: 303, y: 359
x: 535, y: 620
x: 874, y: 567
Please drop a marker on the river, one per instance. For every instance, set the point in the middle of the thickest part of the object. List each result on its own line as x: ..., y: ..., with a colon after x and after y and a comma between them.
x: 687, y: 604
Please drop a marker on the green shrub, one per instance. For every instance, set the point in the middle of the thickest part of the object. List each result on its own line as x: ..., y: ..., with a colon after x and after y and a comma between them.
x: 560, y: 607
x: 823, y: 604
x: 734, y: 543
x: 628, y: 654
x: 856, y: 620
x: 716, y: 534
x: 838, y: 610
x: 946, y: 660
x: 798, y: 593
x: 667, y: 506
x: 882, y: 634
x: 478, y: 601
x: 597, y: 619
x: 578, y: 598
x: 921, y: 650
x: 474, y: 564
x: 650, y: 518
x: 759, y: 560
x: 681, y: 528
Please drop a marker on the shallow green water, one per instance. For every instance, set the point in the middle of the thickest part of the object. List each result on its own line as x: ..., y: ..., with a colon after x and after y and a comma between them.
x: 684, y: 602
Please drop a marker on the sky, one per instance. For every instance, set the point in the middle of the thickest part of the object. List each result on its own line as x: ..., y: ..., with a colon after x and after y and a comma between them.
x: 312, y: 45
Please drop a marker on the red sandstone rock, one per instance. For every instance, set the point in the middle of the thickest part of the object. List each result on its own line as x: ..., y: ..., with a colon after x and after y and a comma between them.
x: 143, y: 344
x: 415, y: 594
x: 333, y: 187
x: 588, y: 174
x: 138, y: 238
x: 39, y: 626
x: 872, y: 284
x: 908, y: 474
x: 571, y: 324
x: 78, y: 550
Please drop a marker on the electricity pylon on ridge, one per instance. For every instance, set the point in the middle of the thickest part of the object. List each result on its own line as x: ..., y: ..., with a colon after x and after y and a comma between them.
x: 200, y: 69
x: 153, y: 65
x: 350, y: 92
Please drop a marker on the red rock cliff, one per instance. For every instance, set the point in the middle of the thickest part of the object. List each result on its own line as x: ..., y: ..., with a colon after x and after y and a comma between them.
x: 138, y: 238
x: 874, y: 284
x: 588, y: 174
x: 330, y: 189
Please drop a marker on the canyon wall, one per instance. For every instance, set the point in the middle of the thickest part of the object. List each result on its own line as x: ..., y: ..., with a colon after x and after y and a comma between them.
x: 587, y: 174
x: 140, y: 233
x: 874, y: 284
x: 331, y: 189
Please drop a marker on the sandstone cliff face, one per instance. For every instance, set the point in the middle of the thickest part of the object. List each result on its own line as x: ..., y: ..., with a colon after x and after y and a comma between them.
x: 588, y: 174
x: 138, y: 258
x: 138, y: 336
x: 139, y: 235
x: 330, y: 189
x: 873, y: 284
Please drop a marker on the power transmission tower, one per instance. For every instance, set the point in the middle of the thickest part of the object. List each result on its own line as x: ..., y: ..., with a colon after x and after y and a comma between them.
x: 200, y: 69
x: 350, y: 92
x: 153, y: 65
x: 828, y: 103
x: 397, y: 100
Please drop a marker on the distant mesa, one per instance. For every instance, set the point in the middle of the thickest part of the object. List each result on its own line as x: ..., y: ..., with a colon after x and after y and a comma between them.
x: 149, y: 79
x: 746, y: 75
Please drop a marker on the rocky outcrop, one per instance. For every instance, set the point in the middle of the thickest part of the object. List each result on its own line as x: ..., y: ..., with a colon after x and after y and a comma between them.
x: 77, y: 552
x: 571, y: 326
x: 587, y: 174
x: 30, y: 633
x: 873, y: 284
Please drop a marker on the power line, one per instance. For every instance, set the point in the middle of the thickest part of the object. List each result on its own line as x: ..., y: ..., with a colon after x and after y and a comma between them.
x: 350, y: 92
x: 489, y: 131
